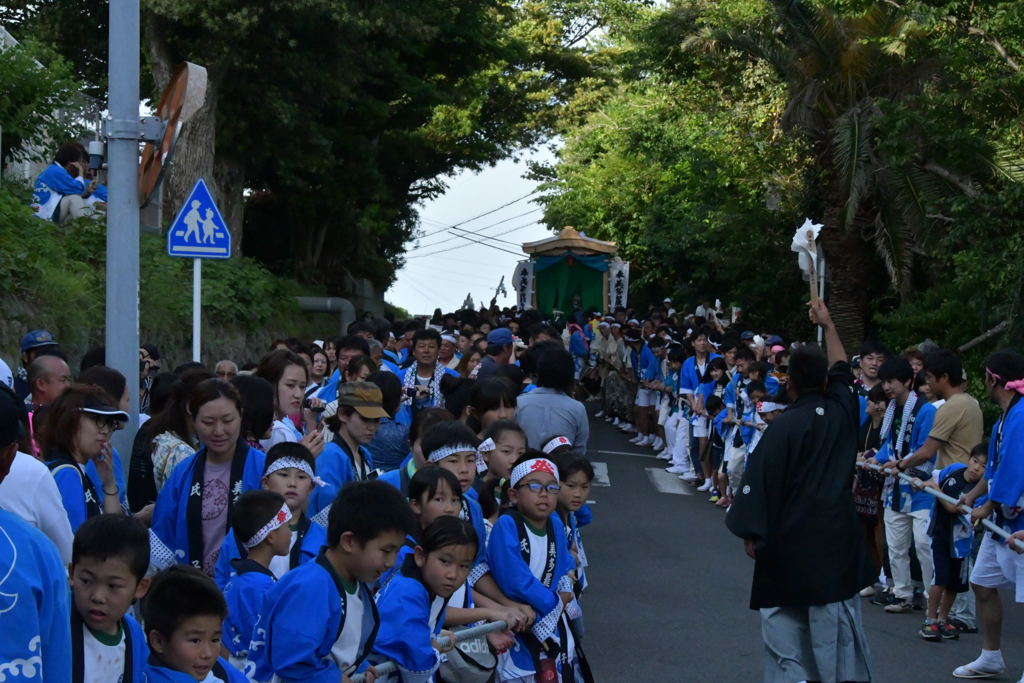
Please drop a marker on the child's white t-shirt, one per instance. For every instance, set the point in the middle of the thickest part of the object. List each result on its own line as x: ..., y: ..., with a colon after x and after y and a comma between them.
x: 102, y: 663
x: 345, y: 650
x: 538, y: 552
x: 280, y: 564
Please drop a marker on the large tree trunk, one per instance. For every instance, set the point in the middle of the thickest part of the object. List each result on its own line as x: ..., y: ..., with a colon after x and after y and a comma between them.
x: 849, y: 262
x: 195, y: 153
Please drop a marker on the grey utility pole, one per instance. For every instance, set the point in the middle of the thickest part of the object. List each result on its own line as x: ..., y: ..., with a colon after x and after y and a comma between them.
x: 122, y: 319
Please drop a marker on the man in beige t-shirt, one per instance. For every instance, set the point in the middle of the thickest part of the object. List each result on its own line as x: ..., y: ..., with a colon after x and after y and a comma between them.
x: 958, y: 423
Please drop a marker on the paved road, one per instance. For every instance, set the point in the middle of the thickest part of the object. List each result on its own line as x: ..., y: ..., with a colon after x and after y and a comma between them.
x: 669, y: 588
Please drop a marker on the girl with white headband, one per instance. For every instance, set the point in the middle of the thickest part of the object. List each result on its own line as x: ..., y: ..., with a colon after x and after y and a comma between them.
x: 289, y: 473
x: 261, y: 518
x: 451, y: 445
x: 530, y: 560
x: 504, y: 442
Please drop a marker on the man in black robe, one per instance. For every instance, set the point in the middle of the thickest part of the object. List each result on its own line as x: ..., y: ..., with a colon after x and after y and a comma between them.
x: 796, y: 515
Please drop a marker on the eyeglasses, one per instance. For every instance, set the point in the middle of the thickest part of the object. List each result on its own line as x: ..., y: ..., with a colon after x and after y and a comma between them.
x: 535, y: 487
x: 105, y: 422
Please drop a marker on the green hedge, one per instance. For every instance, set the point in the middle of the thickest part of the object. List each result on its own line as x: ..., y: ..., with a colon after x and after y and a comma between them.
x: 54, y: 278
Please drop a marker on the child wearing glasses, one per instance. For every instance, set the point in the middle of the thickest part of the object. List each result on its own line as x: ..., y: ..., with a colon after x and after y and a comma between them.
x: 529, y: 557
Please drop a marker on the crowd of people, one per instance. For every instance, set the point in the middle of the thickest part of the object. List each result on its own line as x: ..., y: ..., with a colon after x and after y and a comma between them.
x: 334, y: 505
x: 310, y: 515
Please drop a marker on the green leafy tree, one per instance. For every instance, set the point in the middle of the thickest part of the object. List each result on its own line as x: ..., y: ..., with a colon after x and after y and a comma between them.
x: 858, y: 90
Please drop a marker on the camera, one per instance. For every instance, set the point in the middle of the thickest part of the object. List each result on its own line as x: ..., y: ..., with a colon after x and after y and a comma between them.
x: 411, y: 392
x: 307, y: 404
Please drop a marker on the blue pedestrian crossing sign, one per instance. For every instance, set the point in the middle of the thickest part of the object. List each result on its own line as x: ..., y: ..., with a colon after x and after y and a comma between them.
x: 199, y: 231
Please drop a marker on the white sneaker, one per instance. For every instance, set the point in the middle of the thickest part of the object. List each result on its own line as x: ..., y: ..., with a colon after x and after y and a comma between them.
x: 706, y: 486
x: 599, y: 413
x: 659, y: 443
x: 646, y: 441
x: 612, y: 419
x: 664, y: 455
x: 637, y: 439
x: 627, y: 427
x: 676, y: 469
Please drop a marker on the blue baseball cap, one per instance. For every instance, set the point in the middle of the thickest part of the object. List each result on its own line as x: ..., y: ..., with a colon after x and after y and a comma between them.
x: 499, y: 336
x: 774, y: 339
x: 36, y: 339
x: 747, y: 336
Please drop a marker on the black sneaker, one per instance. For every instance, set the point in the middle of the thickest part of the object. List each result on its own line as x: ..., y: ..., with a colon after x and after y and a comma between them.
x: 948, y: 631
x: 883, y: 598
x: 919, y: 602
x: 962, y: 627
x: 930, y: 631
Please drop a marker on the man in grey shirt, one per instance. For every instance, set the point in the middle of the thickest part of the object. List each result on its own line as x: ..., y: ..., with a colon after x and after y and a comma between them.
x: 549, y: 411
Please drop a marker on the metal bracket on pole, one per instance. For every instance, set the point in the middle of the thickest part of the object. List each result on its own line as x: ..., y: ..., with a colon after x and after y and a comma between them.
x: 152, y: 128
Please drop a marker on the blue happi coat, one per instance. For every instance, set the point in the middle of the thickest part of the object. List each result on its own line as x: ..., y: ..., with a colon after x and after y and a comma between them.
x: 511, y: 571
x: 909, y: 500
x: 405, y: 607
x: 334, y: 466
x: 303, y: 615
x: 244, y: 596
x: 34, y: 605
x: 1005, y: 468
x: 170, y: 519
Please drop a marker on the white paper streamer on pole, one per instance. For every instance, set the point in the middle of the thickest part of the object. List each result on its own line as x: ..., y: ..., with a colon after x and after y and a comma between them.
x: 618, y: 283
x: 806, y: 248
x: 522, y: 280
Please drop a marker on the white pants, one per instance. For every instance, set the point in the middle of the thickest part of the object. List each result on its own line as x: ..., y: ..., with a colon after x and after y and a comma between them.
x: 998, y: 566
x: 736, y: 462
x: 681, y: 445
x: 902, y: 528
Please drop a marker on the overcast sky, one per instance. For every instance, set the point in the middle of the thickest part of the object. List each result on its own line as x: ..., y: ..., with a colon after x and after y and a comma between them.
x: 442, y: 268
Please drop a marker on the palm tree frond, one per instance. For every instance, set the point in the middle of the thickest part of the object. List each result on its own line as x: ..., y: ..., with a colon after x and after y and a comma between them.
x: 1006, y: 163
x: 851, y: 143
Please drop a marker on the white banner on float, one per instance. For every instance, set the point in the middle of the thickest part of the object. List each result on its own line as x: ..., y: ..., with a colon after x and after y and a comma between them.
x: 522, y: 279
x: 618, y: 283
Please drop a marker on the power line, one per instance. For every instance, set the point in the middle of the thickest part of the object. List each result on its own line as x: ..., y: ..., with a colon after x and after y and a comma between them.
x: 475, y: 231
x: 485, y: 213
x: 463, y: 246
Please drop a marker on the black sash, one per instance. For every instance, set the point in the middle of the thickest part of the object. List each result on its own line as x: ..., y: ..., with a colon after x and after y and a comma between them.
x: 737, y: 438
x: 323, y: 562
x: 295, y: 556
x: 360, y: 473
x: 78, y: 649
x: 194, y: 507
x: 899, y: 449
x: 92, y: 500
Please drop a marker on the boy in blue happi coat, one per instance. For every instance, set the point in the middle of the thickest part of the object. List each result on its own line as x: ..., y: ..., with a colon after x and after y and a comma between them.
x: 261, y: 518
x: 905, y: 428
x: 289, y: 473
x: 530, y: 559
x: 109, y: 560
x: 183, y: 613
x: 319, y: 622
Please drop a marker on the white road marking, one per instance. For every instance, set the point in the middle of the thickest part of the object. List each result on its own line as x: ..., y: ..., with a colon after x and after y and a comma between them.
x: 635, y: 455
x: 666, y: 482
x: 601, y: 474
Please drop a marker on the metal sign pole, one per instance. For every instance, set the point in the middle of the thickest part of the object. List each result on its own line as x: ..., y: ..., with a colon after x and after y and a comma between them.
x: 197, y: 308
x: 122, y: 296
